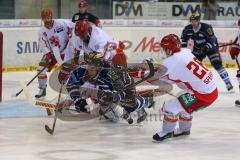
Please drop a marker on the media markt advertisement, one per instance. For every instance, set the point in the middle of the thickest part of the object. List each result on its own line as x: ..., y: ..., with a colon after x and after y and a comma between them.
x: 170, y: 11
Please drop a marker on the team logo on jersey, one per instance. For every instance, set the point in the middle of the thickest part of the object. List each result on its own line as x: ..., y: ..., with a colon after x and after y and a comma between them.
x: 210, y: 32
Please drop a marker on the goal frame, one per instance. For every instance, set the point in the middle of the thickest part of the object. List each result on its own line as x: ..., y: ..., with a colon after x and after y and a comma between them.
x: 1, y: 63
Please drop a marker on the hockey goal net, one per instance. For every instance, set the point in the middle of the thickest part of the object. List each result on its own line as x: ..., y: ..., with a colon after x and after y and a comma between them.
x: 1, y: 63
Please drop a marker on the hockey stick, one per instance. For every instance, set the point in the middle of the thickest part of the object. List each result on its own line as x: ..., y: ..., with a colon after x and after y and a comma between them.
x: 151, y: 74
x: 228, y: 44
x: 31, y: 80
x: 236, y: 58
x: 47, y: 128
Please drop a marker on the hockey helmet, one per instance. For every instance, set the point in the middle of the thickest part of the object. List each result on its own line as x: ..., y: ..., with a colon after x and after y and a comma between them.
x: 82, y: 27
x: 94, y: 58
x: 82, y: 4
x: 171, y: 42
x: 195, y: 16
x: 119, y: 59
x: 46, y: 13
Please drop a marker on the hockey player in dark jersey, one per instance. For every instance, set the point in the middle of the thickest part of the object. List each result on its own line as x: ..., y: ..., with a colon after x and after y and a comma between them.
x: 234, y: 53
x: 84, y: 15
x: 123, y: 83
x: 108, y: 86
x: 205, y: 44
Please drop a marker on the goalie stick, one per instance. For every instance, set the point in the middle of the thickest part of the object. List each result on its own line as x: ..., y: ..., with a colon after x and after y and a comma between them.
x: 47, y: 128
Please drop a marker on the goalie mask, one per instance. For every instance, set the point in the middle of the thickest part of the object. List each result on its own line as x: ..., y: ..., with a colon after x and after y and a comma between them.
x: 170, y: 44
x: 94, y: 58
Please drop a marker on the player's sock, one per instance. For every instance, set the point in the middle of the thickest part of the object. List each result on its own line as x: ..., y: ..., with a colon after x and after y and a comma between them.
x: 42, y: 84
x: 224, y: 75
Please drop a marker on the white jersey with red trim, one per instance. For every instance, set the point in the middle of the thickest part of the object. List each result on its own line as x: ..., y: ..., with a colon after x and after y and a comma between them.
x: 59, y: 32
x: 99, y: 41
x: 188, y: 73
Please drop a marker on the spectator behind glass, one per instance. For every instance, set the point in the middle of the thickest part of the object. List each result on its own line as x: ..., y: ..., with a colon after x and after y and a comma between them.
x: 209, y: 9
x: 83, y: 14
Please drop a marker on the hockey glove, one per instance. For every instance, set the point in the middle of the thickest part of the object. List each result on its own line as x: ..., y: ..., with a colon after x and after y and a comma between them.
x: 49, y: 58
x: 64, y: 74
x: 234, y: 52
x: 204, y: 50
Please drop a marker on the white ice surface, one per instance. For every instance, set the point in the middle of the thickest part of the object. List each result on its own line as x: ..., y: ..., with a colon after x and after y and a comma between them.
x: 215, y: 133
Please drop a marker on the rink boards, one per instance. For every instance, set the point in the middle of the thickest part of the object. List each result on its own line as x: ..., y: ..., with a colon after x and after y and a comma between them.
x: 21, y: 50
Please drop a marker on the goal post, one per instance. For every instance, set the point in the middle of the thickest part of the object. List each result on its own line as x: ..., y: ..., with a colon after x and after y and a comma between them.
x: 1, y: 63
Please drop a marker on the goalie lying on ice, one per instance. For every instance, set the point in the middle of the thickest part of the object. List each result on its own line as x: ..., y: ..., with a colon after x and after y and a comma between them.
x: 108, y: 86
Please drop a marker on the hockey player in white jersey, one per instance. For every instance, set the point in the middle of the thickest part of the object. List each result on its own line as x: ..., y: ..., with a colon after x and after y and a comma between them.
x: 92, y: 39
x: 234, y: 52
x: 54, y: 33
x: 194, y: 78
x: 89, y: 39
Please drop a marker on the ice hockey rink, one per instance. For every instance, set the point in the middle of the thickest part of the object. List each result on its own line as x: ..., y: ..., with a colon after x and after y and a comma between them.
x: 215, y: 133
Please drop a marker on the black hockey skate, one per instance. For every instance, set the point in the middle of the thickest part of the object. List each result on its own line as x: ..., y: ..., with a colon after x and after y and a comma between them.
x: 42, y: 93
x: 127, y: 117
x: 229, y: 87
x: 142, y: 115
x: 151, y: 102
x: 158, y: 137
x: 183, y: 133
x: 237, y: 103
x: 80, y: 105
